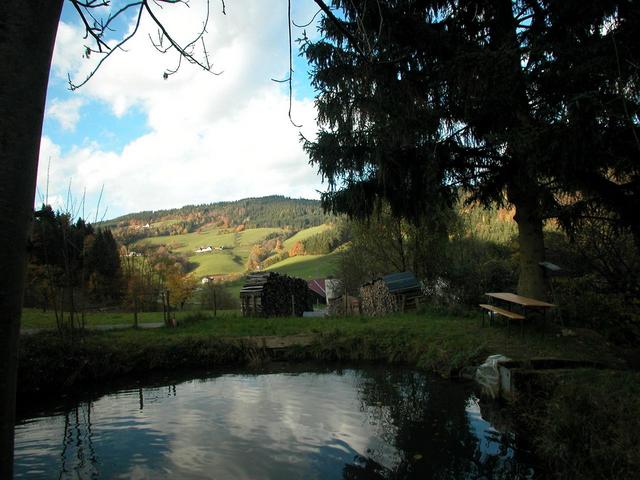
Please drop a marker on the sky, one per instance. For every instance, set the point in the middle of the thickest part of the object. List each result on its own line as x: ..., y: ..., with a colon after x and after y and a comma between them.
x: 149, y: 143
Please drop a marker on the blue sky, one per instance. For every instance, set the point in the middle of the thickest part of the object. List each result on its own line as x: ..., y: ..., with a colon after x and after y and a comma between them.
x: 151, y: 143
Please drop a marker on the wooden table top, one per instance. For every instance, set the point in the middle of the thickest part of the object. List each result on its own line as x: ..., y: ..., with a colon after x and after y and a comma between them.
x: 520, y: 300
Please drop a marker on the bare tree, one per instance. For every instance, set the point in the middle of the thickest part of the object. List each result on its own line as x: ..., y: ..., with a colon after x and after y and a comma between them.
x: 27, y: 37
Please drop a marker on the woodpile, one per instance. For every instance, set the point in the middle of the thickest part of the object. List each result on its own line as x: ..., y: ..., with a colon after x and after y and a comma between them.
x: 341, y: 307
x: 377, y: 300
x: 269, y: 294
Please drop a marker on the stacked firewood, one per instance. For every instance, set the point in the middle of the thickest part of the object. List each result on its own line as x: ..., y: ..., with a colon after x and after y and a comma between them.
x: 376, y: 300
x: 274, y: 295
x: 341, y: 307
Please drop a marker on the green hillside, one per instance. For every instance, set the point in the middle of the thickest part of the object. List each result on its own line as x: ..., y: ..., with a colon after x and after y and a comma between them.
x: 241, y: 233
x: 308, y: 266
x: 266, y: 212
x: 236, y: 249
x: 231, y: 259
x: 304, y: 234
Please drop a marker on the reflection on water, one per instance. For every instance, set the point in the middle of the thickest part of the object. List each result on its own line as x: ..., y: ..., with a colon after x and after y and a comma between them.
x: 351, y: 424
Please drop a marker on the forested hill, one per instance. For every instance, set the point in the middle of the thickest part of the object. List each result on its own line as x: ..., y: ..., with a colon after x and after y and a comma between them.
x: 272, y: 211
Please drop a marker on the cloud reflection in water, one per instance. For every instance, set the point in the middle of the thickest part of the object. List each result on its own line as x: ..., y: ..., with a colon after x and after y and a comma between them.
x: 366, y: 423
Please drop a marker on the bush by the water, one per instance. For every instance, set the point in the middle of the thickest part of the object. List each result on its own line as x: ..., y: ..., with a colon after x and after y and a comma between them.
x: 587, y: 425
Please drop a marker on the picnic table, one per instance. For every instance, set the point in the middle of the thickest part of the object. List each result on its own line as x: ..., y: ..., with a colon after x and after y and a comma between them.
x: 510, y: 300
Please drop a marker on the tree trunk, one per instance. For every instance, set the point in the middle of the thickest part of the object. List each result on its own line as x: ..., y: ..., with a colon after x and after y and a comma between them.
x: 531, y: 280
x: 135, y: 311
x: 27, y: 35
x: 523, y: 189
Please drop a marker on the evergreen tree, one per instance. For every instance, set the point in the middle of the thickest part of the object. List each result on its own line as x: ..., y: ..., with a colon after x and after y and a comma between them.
x: 103, y: 265
x: 418, y: 98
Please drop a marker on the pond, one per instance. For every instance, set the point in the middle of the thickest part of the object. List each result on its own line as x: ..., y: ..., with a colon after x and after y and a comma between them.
x: 364, y: 423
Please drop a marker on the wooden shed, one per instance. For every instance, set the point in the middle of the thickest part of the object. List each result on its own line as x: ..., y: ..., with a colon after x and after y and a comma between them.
x: 268, y: 294
x: 389, y: 294
x: 404, y: 286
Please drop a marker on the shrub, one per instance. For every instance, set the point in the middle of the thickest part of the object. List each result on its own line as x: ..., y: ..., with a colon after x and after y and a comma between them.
x: 473, y: 267
x: 587, y: 427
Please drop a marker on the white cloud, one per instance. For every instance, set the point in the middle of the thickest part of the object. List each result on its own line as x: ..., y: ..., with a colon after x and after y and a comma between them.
x: 68, y: 50
x: 66, y: 112
x: 210, y: 138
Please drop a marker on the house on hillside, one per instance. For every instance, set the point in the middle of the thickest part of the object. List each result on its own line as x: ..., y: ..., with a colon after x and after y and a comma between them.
x: 212, y: 278
x: 204, y: 249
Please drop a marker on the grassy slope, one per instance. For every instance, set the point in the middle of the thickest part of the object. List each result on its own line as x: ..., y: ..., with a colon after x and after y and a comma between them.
x: 308, y: 266
x: 238, y: 246
x: 231, y: 260
x: 304, y: 234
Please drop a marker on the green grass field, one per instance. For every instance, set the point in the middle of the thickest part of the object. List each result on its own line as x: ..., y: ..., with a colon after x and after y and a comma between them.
x: 232, y: 259
x: 237, y: 247
x: 304, y: 234
x: 308, y: 266
x: 441, y: 333
x: 36, y: 318
x: 164, y: 223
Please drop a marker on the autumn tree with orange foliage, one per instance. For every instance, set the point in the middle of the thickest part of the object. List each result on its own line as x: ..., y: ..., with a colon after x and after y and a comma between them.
x: 297, y: 249
x: 180, y: 287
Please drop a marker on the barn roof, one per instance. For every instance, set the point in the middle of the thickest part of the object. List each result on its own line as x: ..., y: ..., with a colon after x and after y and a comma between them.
x: 318, y: 286
x: 401, y: 282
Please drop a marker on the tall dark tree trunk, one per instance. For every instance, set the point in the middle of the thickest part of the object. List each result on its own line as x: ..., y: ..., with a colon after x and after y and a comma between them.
x: 27, y: 36
x: 523, y: 188
x: 531, y: 280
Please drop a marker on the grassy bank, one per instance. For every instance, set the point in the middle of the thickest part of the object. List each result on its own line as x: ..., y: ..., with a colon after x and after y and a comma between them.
x: 437, y: 342
x: 583, y: 424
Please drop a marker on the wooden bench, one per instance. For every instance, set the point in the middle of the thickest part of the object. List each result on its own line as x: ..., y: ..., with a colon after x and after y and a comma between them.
x: 492, y: 309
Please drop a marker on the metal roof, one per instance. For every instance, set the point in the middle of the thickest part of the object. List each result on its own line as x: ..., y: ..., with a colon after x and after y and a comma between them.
x: 401, y: 282
x: 318, y: 286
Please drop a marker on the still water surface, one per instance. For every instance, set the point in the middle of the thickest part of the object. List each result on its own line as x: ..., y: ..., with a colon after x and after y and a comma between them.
x: 351, y: 424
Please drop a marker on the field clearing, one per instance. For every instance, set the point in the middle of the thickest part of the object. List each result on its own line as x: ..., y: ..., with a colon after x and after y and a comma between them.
x: 237, y: 247
x: 232, y: 259
x: 304, y: 234
x: 164, y: 223
x: 189, y: 242
x: 308, y: 266
x: 36, y: 318
x: 213, y: 263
